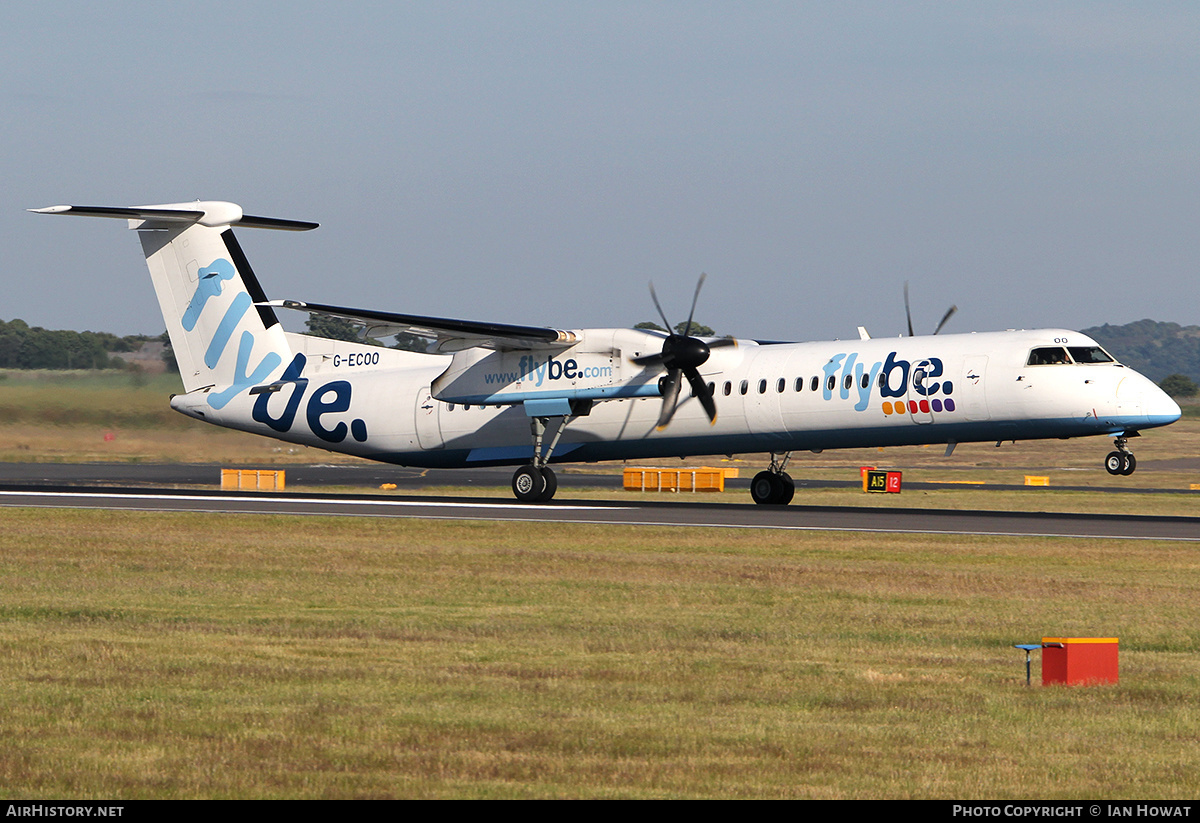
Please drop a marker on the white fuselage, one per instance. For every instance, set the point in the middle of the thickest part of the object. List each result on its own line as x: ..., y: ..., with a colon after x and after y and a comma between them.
x: 473, y: 409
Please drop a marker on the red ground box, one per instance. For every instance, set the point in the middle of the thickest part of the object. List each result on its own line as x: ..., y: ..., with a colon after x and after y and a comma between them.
x: 1079, y: 661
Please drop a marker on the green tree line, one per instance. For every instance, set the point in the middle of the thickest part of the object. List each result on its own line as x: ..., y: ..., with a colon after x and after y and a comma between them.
x: 31, y: 347
x: 1156, y: 349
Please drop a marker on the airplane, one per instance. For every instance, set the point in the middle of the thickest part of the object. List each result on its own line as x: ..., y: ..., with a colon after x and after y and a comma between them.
x: 493, y: 394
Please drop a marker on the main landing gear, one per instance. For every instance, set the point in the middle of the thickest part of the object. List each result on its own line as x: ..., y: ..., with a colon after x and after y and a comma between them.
x: 531, y: 484
x: 536, y: 482
x: 1122, y: 460
x: 773, y: 487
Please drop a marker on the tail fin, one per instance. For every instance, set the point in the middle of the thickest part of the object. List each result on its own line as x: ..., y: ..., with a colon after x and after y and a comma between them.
x: 223, y: 341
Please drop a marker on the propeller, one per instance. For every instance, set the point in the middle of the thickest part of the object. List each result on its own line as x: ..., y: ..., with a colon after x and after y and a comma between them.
x: 682, y: 355
x: 908, y: 313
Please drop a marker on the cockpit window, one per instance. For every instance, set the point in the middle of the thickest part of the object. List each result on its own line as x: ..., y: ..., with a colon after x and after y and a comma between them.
x: 1089, y: 354
x: 1048, y: 356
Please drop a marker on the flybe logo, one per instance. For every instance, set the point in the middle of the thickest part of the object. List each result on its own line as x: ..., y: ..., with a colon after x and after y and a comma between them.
x: 905, y: 387
x: 331, y: 398
x: 324, y: 402
x: 212, y: 279
x: 550, y: 369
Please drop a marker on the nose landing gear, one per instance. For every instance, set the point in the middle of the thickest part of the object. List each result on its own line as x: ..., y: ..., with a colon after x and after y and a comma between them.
x: 1122, y: 460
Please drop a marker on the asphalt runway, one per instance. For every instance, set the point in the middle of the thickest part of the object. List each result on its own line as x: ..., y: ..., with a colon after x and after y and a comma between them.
x: 42, y: 486
x: 373, y: 475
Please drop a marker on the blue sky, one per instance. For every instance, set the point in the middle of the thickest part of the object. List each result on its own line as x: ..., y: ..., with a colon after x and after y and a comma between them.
x: 539, y: 163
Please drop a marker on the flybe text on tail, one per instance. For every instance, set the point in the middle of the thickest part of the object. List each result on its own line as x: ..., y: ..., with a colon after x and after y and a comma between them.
x: 210, y: 285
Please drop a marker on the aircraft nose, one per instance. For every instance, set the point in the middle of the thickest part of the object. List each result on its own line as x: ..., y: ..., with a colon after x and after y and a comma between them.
x: 1138, y: 397
x: 1160, y: 407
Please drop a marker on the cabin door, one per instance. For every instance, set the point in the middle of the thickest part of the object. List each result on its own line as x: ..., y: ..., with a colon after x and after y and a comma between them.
x: 429, y: 429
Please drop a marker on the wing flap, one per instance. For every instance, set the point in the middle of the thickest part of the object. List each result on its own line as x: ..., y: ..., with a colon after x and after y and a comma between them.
x: 449, y: 335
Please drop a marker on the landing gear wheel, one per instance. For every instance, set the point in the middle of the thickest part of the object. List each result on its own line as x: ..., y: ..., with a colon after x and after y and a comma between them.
x: 1114, y: 462
x: 769, y: 489
x: 1130, y: 464
x: 763, y: 488
x: 788, y: 489
x: 528, y: 484
x: 551, y: 485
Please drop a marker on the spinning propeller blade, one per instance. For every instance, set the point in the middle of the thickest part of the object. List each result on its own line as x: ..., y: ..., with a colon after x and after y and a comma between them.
x: 907, y: 311
x: 682, y: 355
x: 908, y: 314
x: 949, y: 313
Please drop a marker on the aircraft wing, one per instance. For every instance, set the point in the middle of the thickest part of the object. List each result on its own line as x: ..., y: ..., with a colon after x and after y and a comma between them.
x: 448, y: 335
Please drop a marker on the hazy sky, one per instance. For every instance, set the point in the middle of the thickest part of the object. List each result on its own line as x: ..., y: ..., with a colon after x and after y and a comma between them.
x: 1035, y: 163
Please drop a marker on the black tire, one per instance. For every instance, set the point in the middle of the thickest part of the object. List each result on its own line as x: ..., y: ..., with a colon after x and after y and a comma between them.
x: 1114, y: 462
x: 766, y: 489
x: 788, y: 489
x: 1130, y: 464
x: 528, y: 484
x: 551, y: 481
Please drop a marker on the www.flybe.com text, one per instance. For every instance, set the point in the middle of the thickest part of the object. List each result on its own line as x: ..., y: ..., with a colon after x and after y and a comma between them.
x: 539, y: 371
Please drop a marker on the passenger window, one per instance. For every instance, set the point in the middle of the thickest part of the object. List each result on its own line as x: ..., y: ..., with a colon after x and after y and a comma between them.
x: 1048, y: 356
x: 799, y: 384
x: 848, y: 382
x: 762, y: 386
x: 816, y: 383
x: 712, y: 389
x: 745, y: 387
x: 866, y: 378
x: 728, y: 388
x: 781, y: 385
x: 831, y: 383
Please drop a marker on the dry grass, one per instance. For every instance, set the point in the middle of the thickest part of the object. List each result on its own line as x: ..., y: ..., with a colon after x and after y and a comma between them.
x: 243, y: 656
x: 70, y: 417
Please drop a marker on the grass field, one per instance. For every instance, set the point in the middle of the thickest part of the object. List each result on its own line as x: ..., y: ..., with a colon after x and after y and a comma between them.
x: 180, y: 656
x: 117, y: 416
x: 200, y: 656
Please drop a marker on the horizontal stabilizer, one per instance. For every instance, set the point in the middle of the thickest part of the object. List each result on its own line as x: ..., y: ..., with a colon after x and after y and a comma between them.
x: 450, y: 335
x: 208, y: 213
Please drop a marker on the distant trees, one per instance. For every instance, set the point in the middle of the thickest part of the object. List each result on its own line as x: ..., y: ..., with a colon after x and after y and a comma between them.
x: 337, y: 328
x: 333, y: 328
x: 31, y: 347
x: 1179, y: 385
x: 1155, y: 349
x: 411, y: 342
x: 698, y: 329
x: 168, y: 355
x: 1165, y: 352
